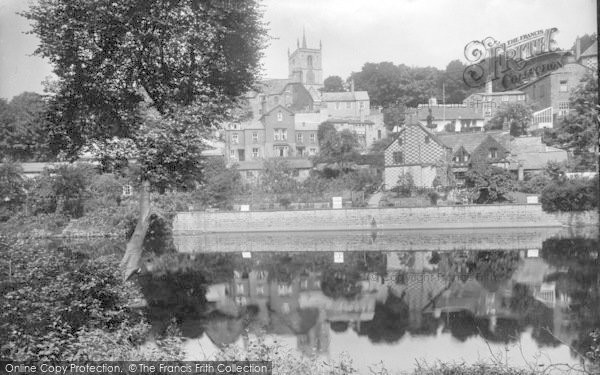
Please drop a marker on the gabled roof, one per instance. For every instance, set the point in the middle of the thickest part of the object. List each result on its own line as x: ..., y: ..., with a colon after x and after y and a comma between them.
x: 279, y: 106
x: 274, y: 86
x: 591, y: 50
x: 449, y: 113
x: 430, y: 134
x: 470, y: 141
x: 345, y: 96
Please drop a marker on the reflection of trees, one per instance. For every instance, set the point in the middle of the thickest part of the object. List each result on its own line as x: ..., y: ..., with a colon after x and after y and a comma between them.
x: 389, y: 323
x: 340, y: 282
x: 581, y: 282
x: 461, y: 324
x: 492, y: 268
x: 534, y: 313
x: 339, y: 326
x: 179, y: 296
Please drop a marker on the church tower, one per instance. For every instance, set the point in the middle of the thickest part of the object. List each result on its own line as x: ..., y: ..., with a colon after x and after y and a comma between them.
x: 305, y: 65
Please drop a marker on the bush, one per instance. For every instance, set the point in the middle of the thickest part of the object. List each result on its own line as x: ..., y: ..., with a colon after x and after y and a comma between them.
x: 433, y: 197
x: 54, y: 295
x: 12, y: 193
x: 571, y: 195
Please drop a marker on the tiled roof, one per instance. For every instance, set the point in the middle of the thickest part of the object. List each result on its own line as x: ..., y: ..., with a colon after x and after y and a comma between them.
x: 349, y: 120
x: 253, y: 124
x: 274, y: 86
x: 259, y: 164
x: 348, y: 96
x: 521, y: 145
x: 470, y: 141
x: 450, y: 113
x: 592, y: 50
x: 531, y: 153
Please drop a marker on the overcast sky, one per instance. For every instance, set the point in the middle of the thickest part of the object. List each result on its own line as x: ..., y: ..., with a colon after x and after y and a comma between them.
x: 413, y: 32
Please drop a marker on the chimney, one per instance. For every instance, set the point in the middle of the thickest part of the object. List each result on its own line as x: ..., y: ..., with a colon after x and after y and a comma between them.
x: 488, y: 86
x: 577, y: 49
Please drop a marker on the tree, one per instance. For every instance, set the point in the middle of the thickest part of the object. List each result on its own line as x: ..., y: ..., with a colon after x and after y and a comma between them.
x: 22, y: 128
x: 491, y: 184
x: 516, y: 116
x: 585, y: 42
x: 337, y: 147
x: 220, y: 184
x: 394, y: 116
x: 12, y: 188
x: 333, y: 84
x: 158, y: 74
x: 579, y: 130
x: 456, y: 89
x: 277, y: 177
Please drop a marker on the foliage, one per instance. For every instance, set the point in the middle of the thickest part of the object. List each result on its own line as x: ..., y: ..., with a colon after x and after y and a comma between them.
x: 571, y: 195
x: 405, y: 185
x: 490, y: 184
x: 276, y: 177
x: 12, y: 185
x: 187, y: 61
x: 388, y: 84
x: 336, y: 147
x: 394, y: 115
x: 52, y: 296
x: 63, y: 190
x: 515, y: 116
x: 579, y: 130
x: 455, y: 87
x: 585, y: 42
x: 22, y: 133
x: 389, y: 323
x: 333, y: 84
x: 219, y: 183
x: 340, y: 282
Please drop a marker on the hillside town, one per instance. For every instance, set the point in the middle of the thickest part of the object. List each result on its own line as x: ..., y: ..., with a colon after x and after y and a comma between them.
x: 173, y: 194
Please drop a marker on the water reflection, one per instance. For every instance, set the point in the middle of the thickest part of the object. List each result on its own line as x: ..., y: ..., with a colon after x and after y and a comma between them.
x: 492, y: 295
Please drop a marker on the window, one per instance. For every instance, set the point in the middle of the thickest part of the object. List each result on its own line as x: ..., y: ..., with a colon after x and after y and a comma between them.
x: 234, y: 126
x: 304, y: 284
x: 254, y: 137
x: 398, y: 157
x: 427, y: 139
x: 232, y: 154
x: 348, y: 105
x: 379, y: 134
x: 563, y: 86
x: 127, y: 190
x: 255, y: 153
x: 504, y: 98
x: 312, y: 151
x: 465, y: 158
x: 338, y: 105
x: 235, y: 138
x: 521, y: 98
x: 299, y: 137
x: 239, y: 288
x: 280, y: 135
x: 279, y: 116
x: 284, y: 289
x: 493, y: 153
x: 563, y: 108
x: 249, y: 174
x: 312, y: 137
x: 309, y: 61
x: 260, y: 290
x: 362, y: 105
x: 281, y: 151
x: 285, y: 307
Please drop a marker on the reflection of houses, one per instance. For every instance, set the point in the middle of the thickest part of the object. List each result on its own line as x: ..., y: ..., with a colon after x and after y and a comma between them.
x: 251, y: 170
x: 417, y: 152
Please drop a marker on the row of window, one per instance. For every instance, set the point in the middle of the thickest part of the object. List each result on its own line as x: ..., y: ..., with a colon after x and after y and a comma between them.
x: 398, y: 156
x: 350, y: 105
x: 280, y: 151
x: 278, y: 135
x: 282, y: 289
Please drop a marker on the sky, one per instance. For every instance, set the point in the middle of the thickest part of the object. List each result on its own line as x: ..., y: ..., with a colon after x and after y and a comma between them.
x: 352, y: 32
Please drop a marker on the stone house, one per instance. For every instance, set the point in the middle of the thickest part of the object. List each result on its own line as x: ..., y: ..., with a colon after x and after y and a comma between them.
x: 417, y: 151
x: 487, y: 103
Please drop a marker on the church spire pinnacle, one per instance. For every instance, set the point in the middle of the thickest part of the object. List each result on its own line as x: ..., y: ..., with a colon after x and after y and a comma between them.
x: 303, y: 37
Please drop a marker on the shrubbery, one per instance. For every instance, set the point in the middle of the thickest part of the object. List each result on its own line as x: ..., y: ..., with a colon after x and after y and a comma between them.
x: 570, y: 195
